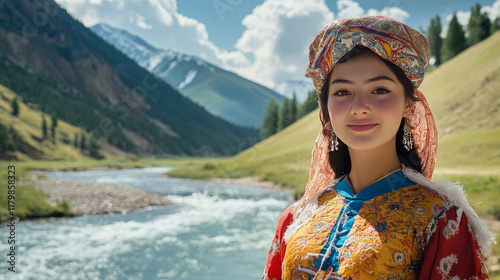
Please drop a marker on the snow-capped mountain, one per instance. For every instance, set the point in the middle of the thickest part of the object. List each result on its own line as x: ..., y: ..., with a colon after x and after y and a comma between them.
x: 300, y: 88
x: 133, y: 46
x: 220, y: 92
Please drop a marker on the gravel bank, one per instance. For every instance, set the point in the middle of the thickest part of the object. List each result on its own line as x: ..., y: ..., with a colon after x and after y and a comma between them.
x: 88, y: 198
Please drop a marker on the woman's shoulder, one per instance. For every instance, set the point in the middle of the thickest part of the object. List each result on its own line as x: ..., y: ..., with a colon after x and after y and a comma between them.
x: 419, y: 193
x: 455, y: 203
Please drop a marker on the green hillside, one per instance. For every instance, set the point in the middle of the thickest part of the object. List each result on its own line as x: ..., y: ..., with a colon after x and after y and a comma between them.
x: 30, y: 141
x: 464, y: 95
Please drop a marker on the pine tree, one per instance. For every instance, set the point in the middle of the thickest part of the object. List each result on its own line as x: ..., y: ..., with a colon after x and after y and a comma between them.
x: 495, y: 25
x: 285, y: 112
x: 83, y: 142
x: 478, y: 27
x: 53, y: 126
x: 294, y: 112
x: 44, y: 127
x: 15, y: 107
x: 454, y: 42
x: 435, y: 40
x: 310, y: 104
x: 6, y: 140
x: 75, y: 141
x: 270, y: 122
x: 94, y: 147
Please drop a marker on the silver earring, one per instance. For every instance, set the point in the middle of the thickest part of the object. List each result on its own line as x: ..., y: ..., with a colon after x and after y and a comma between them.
x: 334, y: 142
x: 407, y: 137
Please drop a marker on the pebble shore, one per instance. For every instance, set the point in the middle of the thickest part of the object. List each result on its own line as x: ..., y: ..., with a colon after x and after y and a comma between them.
x: 89, y: 198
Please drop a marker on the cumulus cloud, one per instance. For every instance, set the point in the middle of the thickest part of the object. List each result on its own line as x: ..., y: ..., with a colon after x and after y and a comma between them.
x: 156, y: 21
x: 350, y: 8
x: 277, y: 36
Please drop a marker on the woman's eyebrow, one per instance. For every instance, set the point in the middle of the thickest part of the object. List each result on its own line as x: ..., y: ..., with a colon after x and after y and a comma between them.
x: 378, y: 78
x: 374, y: 79
x: 341, y: 81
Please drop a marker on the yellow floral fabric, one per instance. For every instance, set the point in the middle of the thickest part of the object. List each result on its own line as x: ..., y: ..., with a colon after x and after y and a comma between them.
x: 386, y: 239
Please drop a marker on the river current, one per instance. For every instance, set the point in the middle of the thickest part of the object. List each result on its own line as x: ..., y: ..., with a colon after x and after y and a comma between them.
x: 211, y: 231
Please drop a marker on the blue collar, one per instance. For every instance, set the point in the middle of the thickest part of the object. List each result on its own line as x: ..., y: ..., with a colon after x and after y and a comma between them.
x: 389, y: 183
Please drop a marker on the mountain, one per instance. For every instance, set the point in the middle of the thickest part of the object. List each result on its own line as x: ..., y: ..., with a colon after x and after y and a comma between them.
x: 63, y: 68
x: 220, y: 92
x: 299, y: 88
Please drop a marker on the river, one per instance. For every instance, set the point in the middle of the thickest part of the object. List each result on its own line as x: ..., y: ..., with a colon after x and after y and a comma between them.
x: 211, y: 231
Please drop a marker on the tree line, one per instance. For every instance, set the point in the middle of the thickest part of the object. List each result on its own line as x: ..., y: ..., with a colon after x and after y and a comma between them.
x: 9, y: 136
x: 279, y: 116
x: 459, y: 37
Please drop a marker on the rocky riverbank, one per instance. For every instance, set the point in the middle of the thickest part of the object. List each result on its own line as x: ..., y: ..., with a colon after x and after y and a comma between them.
x: 89, y: 198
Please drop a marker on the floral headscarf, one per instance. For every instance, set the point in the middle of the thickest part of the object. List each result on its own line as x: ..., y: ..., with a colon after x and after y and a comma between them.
x: 392, y: 40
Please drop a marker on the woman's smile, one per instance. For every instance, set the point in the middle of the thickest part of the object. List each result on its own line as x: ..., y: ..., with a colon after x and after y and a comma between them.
x: 362, y: 125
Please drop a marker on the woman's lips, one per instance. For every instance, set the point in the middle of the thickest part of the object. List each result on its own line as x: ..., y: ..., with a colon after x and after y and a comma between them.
x: 360, y: 126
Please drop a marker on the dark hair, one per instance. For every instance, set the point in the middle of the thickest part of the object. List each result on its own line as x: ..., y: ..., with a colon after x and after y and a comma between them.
x: 340, y: 160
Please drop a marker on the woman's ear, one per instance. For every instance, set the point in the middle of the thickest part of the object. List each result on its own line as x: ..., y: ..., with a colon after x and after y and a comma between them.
x: 408, y: 107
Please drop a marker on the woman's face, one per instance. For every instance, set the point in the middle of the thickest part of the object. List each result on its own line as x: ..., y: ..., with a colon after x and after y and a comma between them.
x: 366, y: 102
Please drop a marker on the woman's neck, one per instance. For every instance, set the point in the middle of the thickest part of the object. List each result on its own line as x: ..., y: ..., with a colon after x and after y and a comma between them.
x: 368, y: 166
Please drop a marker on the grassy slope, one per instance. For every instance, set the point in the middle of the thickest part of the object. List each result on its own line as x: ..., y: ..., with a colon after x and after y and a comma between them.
x: 464, y: 97
x: 28, y: 125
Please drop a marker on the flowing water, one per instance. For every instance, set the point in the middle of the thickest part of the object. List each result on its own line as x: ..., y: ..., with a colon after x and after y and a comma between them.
x: 211, y: 231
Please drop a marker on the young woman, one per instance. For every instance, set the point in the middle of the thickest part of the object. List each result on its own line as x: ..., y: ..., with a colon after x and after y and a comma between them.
x: 369, y: 210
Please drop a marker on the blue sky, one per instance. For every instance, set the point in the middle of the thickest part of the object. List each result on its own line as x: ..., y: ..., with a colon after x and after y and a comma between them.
x: 263, y: 40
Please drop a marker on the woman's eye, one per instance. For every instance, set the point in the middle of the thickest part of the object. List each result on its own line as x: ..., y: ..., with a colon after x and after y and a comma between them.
x: 380, y: 91
x: 341, y: 93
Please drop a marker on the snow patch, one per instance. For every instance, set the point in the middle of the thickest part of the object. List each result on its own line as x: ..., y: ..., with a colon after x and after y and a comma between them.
x: 165, y: 73
x: 155, y: 60
x: 188, y: 79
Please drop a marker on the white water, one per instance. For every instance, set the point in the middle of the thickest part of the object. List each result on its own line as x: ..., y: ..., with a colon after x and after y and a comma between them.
x: 211, y: 232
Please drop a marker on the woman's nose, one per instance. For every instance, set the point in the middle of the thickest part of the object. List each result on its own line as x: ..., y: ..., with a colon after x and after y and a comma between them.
x: 360, y: 105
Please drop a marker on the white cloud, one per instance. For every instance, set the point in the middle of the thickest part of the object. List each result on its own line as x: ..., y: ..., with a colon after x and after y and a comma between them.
x: 350, y: 8
x: 141, y: 23
x: 156, y: 21
x: 277, y: 36
x: 393, y: 12
x: 462, y: 16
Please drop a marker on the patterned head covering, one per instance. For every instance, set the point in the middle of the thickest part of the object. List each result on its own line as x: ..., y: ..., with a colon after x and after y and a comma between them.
x: 393, y: 41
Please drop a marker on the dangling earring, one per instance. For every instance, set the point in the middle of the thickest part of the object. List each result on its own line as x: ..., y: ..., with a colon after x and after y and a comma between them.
x: 334, y: 142
x: 407, y: 137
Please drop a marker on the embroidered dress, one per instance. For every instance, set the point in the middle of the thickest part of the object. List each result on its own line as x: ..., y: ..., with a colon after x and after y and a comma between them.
x: 392, y: 229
